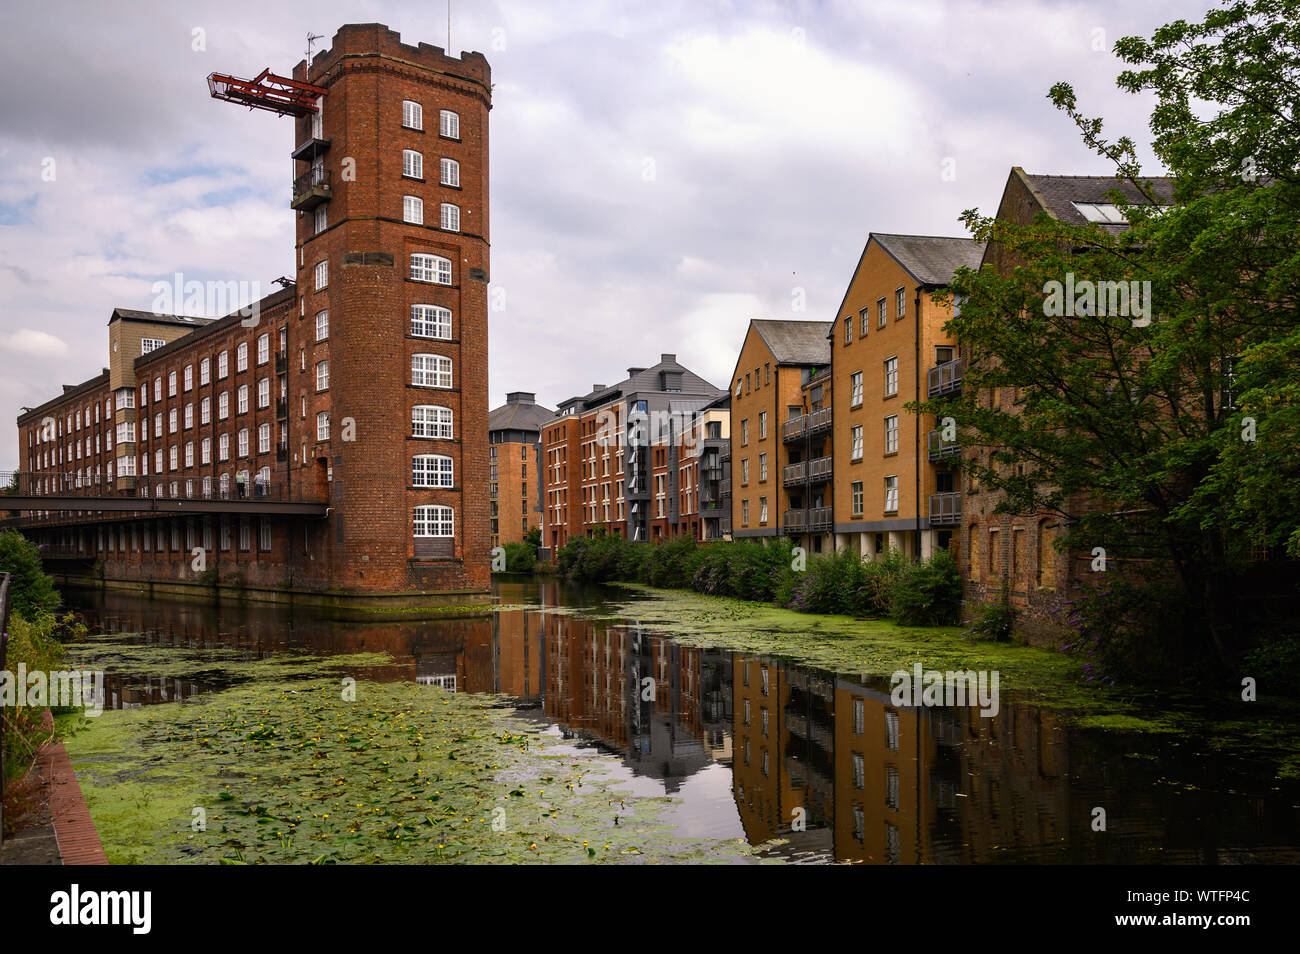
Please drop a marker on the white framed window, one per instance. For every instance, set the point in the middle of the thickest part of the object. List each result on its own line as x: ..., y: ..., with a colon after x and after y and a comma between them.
x: 900, y: 302
x: 264, y: 392
x: 430, y: 420
x: 322, y: 219
x: 431, y: 268
x: 205, y: 451
x: 891, y: 376
x: 241, y: 357
x: 189, y: 377
x: 431, y: 470
x: 264, y: 438
x: 157, y: 389
x: 449, y: 172
x: 263, y: 349
x: 150, y: 344
x: 205, y: 410
x: 855, y: 389
x: 434, y: 521
x: 323, y: 426
x: 243, y: 442
x: 891, y: 494
x: 431, y: 370
x: 223, y: 365
x: 413, y: 209
x: 189, y: 453
x: 157, y: 461
x: 322, y: 325
x: 322, y: 375
x: 451, y: 217
x: 241, y: 399
x: 856, y: 453
x: 891, y: 434
x: 448, y: 124
x: 172, y: 421
x: 412, y: 164
x: 412, y: 115
x: 431, y: 321
x: 205, y: 368
x: 322, y: 274
x: 223, y: 447
x: 157, y: 424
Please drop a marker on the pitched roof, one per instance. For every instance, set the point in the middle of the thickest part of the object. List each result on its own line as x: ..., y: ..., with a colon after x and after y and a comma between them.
x: 796, y: 342
x: 931, y: 259
x: 518, y: 416
x: 137, y: 315
x: 1057, y: 194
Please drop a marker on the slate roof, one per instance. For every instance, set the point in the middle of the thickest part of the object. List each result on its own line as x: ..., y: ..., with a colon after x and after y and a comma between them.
x: 931, y: 259
x: 796, y: 342
x: 519, y: 417
x: 1057, y: 194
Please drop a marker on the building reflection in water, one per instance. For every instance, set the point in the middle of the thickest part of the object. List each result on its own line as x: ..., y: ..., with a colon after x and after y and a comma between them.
x: 823, y: 762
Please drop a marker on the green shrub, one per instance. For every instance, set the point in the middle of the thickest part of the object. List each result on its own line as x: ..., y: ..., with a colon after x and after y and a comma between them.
x: 520, y: 557
x: 34, y: 645
x: 928, y: 593
x: 994, y: 620
x: 31, y: 591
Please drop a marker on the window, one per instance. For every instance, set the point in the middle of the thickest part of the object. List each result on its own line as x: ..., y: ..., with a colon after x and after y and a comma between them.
x: 891, y: 434
x: 157, y: 424
x: 865, y: 316
x: 762, y: 510
x: 429, y: 420
x: 431, y: 370
x: 900, y: 302
x: 243, y: 442
x: 448, y: 124
x: 223, y: 365
x: 322, y: 325
x: 451, y: 217
x: 322, y: 375
x: 150, y: 344
x: 744, y: 512
x: 412, y: 164
x: 431, y: 321
x: 431, y: 268
x: 204, y: 369
x: 413, y: 209
x: 1106, y: 212
x: 264, y: 392
x: 241, y: 399
x: 431, y: 470
x: 171, y: 421
x: 762, y: 467
x: 449, y: 172
x: 744, y: 431
x: 855, y: 389
x: 891, y: 376
x: 241, y: 357
x: 891, y: 494
x: 882, y: 313
x: 434, y: 521
x: 762, y: 424
x: 323, y: 426
x: 157, y: 389
x: 263, y: 349
x: 856, y: 453
x: 943, y: 354
x: 321, y: 218
x: 189, y: 377
x: 857, y: 498
x: 223, y: 447
x: 205, y: 410
x: 173, y: 457
x: 744, y: 471
x: 189, y: 453
x: 848, y: 330
x: 412, y: 115
x: 264, y: 438
x: 205, y: 451
x: 322, y: 274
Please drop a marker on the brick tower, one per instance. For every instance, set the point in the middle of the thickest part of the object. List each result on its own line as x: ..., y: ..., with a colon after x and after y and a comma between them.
x: 388, y: 394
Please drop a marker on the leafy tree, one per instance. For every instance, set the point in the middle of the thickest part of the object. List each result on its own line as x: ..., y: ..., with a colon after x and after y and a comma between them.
x: 1173, y: 440
x: 31, y: 591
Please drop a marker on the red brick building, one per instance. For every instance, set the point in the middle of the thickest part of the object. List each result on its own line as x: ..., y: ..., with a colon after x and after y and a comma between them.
x: 362, y: 387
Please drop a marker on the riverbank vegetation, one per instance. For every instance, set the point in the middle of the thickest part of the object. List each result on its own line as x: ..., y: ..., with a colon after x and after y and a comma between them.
x: 914, y: 593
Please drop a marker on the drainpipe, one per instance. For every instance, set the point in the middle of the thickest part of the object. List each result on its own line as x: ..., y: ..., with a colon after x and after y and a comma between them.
x: 916, y: 422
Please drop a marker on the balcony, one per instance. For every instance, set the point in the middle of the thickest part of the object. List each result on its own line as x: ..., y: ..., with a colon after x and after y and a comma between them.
x: 944, y: 379
x: 281, y: 408
x: 807, y: 521
x: 711, y: 473
x: 814, y: 422
x: 939, y: 449
x: 281, y: 363
x: 945, y: 509
x: 819, y: 470
x: 310, y: 189
x: 792, y: 474
x: 312, y: 149
x: 724, y: 488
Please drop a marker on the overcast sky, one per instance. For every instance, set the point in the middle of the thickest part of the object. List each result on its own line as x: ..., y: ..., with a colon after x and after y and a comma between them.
x: 661, y: 172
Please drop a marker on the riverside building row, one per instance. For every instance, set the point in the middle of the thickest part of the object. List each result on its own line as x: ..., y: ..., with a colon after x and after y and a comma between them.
x: 334, y: 441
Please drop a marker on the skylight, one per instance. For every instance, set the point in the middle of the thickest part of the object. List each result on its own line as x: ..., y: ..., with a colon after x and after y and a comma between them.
x: 1105, y: 212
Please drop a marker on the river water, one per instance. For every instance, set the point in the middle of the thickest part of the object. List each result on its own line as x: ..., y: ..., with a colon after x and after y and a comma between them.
x: 763, y: 748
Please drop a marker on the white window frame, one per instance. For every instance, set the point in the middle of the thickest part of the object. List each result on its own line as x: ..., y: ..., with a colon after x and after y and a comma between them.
x: 427, y: 267
x: 429, y: 321
x: 432, y: 420
x: 322, y: 324
x: 322, y: 375
x: 412, y: 164
x: 449, y: 172
x: 449, y: 217
x: 431, y: 371
x: 448, y: 124
x: 432, y: 470
x: 412, y: 115
x: 434, y: 520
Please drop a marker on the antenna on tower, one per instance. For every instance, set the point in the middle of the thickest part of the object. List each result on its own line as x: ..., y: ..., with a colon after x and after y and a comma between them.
x: 311, y: 38
x: 449, y: 27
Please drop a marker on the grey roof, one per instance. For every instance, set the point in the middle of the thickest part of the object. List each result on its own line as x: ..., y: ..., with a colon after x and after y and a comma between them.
x: 136, y: 315
x: 647, y: 380
x: 931, y: 259
x: 518, y: 416
x: 1057, y: 194
x: 796, y: 342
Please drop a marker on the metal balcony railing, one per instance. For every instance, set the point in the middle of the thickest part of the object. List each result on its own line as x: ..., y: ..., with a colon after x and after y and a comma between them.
x: 944, y: 379
x: 819, y: 470
x: 794, y: 473
x: 311, y: 189
x: 813, y: 422
x: 940, y: 449
x: 945, y: 508
x: 811, y: 520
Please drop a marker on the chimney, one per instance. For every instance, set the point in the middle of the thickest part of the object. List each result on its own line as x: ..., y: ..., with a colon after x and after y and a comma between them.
x: 668, y: 359
x: 521, y: 397
x: 633, y: 372
x: 598, y: 387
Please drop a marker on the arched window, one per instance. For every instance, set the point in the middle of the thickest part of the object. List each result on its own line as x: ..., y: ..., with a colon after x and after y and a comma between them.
x: 430, y: 420
x: 430, y: 268
x: 434, y: 521
x: 430, y: 371
x: 431, y: 321
x: 431, y: 470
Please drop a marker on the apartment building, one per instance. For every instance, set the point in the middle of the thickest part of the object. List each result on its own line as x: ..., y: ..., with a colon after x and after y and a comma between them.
x: 1020, y: 549
x: 703, y: 471
x: 611, y: 456
x: 895, y: 476
x: 343, y: 422
x: 780, y: 432
x: 515, y: 466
